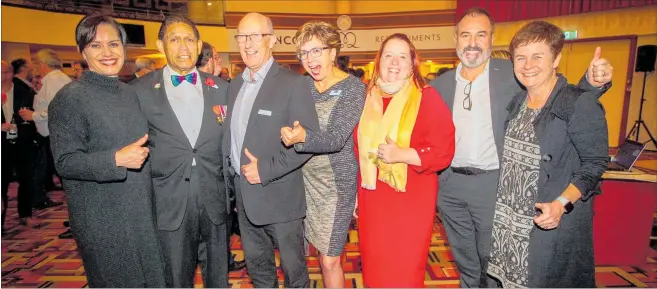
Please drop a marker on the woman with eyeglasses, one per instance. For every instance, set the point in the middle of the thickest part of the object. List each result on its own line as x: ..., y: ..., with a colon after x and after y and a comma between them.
x: 405, y: 135
x: 330, y: 175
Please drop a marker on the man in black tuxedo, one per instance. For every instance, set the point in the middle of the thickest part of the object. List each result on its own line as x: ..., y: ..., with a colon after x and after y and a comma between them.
x: 185, y: 109
x: 271, y: 201
x: 26, y: 153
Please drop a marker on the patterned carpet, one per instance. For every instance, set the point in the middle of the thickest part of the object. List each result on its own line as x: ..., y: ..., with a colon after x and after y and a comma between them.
x: 33, y: 257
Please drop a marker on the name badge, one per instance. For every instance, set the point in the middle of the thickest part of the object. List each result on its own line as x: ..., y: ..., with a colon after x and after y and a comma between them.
x: 264, y: 112
x: 335, y: 92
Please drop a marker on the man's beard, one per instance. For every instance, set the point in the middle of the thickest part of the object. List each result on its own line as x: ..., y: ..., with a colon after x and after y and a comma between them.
x: 485, y: 55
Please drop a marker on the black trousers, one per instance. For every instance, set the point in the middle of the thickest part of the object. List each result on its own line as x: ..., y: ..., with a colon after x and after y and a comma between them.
x: 181, y: 247
x: 41, y: 170
x: 8, y: 164
x: 259, y: 243
x: 21, y: 157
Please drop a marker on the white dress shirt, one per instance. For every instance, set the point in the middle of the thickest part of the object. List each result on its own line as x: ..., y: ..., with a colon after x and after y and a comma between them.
x: 186, y: 100
x: 475, y: 142
x: 51, y: 84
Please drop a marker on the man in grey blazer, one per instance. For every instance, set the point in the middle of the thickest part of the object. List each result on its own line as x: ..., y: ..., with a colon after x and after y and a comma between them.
x: 271, y: 202
x: 478, y: 92
x: 185, y: 109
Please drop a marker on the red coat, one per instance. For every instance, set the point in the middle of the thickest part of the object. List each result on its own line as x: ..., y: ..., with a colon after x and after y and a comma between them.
x: 395, y: 228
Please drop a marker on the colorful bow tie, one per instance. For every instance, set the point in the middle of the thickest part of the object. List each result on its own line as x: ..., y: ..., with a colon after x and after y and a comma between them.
x: 178, y: 79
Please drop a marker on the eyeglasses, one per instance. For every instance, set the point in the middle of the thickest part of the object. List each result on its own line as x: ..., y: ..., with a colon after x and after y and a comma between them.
x: 315, y: 52
x: 241, y: 38
x: 467, y: 101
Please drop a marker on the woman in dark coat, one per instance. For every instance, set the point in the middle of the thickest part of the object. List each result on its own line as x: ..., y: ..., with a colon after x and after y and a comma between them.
x: 555, y: 152
x: 97, y: 133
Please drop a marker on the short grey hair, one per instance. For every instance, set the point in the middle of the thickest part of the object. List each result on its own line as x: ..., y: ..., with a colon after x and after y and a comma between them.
x: 143, y: 62
x: 50, y: 58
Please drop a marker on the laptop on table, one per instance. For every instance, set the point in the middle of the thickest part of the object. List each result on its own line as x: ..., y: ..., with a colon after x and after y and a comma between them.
x: 627, y: 155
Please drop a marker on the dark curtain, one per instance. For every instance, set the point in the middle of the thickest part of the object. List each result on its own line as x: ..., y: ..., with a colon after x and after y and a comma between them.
x: 514, y: 10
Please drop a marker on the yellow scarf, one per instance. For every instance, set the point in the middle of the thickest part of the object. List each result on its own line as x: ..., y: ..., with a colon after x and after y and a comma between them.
x: 397, y: 122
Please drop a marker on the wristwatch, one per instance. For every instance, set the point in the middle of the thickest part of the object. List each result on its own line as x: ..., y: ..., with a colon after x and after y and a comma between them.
x: 566, y: 204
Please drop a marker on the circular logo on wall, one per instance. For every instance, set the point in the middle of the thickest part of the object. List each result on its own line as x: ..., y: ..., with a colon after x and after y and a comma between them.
x: 344, y: 22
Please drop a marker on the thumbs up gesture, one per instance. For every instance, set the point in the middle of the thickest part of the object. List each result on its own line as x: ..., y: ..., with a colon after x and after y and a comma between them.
x: 133, y: 155
x: 388, y: 152
x: 600, y: 70
x: 293, y: 135
x: 250, y: 170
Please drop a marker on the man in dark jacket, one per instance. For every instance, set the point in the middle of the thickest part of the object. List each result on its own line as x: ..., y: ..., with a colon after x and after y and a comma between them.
x: 478, y: 93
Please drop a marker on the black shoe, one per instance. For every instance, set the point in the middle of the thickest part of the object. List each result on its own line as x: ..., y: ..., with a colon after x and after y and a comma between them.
x: 54, y: 188
x: 67, y: 224
x: 237, y: 265
x: 66, y: 235
x: 48, y: 203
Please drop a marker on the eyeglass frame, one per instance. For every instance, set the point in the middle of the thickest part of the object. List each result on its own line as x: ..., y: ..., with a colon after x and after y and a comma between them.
x: 466, y: 91
x: 249, y: 37
x: 308, y: 53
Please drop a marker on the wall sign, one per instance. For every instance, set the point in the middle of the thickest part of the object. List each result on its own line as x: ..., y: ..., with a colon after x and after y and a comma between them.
x: 367, y: 40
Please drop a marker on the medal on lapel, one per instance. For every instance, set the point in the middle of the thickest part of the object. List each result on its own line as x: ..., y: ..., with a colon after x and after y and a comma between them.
x: 220, y: 111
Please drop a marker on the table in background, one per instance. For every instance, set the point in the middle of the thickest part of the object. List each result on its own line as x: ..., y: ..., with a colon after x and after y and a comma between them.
x: 623, y: 217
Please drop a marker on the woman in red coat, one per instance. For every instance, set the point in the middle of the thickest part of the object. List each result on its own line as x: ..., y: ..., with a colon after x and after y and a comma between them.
x: 404, y: 137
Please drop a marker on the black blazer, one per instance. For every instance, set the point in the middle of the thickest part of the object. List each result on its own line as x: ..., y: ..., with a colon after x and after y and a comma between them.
x: 171, y: 153
x: 24, y: 97
x: 287, y: 97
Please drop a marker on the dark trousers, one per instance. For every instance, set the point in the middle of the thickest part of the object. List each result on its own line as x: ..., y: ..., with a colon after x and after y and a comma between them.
x: 21, y: 157
x: 181, y: 247
x: 467, y: 206
x: 49, y: 183
x: 202, y: 254
x: 8, y: 164
x: 259, y: 242
x: 41, y: 170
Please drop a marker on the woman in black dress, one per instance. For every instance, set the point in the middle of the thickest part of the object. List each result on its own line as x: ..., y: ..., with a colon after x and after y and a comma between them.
x: 98, y: 134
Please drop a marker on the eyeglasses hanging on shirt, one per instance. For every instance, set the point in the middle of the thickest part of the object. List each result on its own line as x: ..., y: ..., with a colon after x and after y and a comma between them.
x: 467, y: 101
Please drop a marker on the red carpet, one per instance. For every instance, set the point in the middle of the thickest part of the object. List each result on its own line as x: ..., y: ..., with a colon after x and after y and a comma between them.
x: 33, y: 256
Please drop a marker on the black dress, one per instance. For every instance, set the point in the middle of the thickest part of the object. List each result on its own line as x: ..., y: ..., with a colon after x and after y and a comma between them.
x: 110, y: 208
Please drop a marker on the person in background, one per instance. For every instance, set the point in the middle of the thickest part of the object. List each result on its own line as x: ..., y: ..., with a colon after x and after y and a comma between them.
x: 555, y: 152
x: 500, y: 54
x: 36, y: 83
x: 224, y: 74
x: 185, y: 109
x: 217, y: 61
x: 478, y: 93
x: 342, y: 63
x: 9, y: 130
x: 22, y: 96
x: 49, y: 66
x: 404, y: 137
x: 98, y: 138
x: 207, y: 63
x: 330, y: 175
x: 78, y: 67
x: 143, y: 66
x: 441, y: 71
x: 266, y: 174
